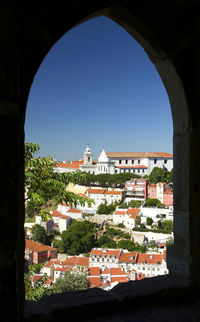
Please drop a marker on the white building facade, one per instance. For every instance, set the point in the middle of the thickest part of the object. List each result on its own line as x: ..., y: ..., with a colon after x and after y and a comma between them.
x: 141, y: 163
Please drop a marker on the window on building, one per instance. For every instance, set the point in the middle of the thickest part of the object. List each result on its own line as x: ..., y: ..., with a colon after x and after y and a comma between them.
x: 120, y: 161
x: 88, y: 159
x: 132, y: 161
x: 142, y: 170
x: 126, y: 161
x: 138, y: 161
x: 138, y: 170
x: 165, y: 161
x: 155, y: 161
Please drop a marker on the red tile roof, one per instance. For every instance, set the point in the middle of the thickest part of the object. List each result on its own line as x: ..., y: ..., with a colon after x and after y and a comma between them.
x: 149, y: 258
x: 128, y: 257
x: 36, y: 278
x: 63, y: 269
x: 94, y: 271
x: 82, y: 261
x: 112, y: 192
x: 35, y: 246
x: 56, y: 213
x: 71, y: 261
x: 72, y: 210
x: 119, y: 212
x: 73, y: 164
x: 48, y: 264
x: 170, y: 192
x: 117, y: 271
x: 94, y: 281
x: 119, y: 279
x: 96, y: 191
x: 133, y: 211
x: 83, y: 195
x: 107, y: 252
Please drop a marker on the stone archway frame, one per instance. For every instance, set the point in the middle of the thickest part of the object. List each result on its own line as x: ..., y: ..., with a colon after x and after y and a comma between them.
x: 178, y: 256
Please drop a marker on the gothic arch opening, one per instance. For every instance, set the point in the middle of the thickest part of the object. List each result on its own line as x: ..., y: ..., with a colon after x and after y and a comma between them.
x: 169, y: 61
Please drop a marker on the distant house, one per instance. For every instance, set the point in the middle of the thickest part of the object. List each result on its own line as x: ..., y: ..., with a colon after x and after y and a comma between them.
x: 136, y: 189
x: 126, y: 216
x: 104, y: 258
x: 151, y: 265
x: 75, y: 213
x: 37, y: 253
x: 162, y: 192
x: 59, y: 221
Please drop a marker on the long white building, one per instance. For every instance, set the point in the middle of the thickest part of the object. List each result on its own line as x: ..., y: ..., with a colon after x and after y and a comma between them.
x: 141, y: 163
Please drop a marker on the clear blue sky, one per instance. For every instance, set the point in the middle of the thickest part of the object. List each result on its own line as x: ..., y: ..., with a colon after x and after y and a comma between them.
x: 98, y: 86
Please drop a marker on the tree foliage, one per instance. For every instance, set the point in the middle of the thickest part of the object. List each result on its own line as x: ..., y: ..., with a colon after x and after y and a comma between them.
x: 36, y: 292
x: 43, y: 184
x: 78, y: 238
x: 166, y: 226
x: 152, y: 202
x: 39, y: 234
x: 137, y: 221
x: 130, y: 246
x: 149, y: 221
x: 108, y: 180
x: 106, y: 241
x: 170, y: 176
x: 106, y: 209
x: 72, y: 282
x: 158, y: 175
x: 135, y: 203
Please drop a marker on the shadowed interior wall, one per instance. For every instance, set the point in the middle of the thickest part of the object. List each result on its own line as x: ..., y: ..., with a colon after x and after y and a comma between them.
x: 169, y: 32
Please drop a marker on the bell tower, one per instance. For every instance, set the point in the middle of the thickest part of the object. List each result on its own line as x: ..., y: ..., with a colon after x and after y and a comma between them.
x: 88, y: 156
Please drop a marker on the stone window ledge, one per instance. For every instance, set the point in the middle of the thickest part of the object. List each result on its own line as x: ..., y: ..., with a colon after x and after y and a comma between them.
x: 97, y: 302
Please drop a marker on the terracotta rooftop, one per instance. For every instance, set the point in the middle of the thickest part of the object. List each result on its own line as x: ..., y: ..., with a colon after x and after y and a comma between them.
x: 96, y: 191
x: 112, y: 192
x: 133, y: 211
x: 149, y: 259
x: 30, y: 244
x: 106, y: 253
x: 128, y: 257
x: 119, y: 212
x: 94, y: 281
x: 73, y: 164
x: 72, y: 210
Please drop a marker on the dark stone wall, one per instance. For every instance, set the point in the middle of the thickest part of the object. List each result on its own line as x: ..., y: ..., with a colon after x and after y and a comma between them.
x: 169, y: 32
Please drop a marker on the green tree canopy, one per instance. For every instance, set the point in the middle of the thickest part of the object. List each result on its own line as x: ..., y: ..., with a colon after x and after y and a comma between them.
x: 152, y: 202
x: 158, y: 175
x: 39, y: 234
x: 126, y: 244
x: 72, y: 282
x: 106, y: 242
x: 36, y: 292
x: 43, y: 184
x: 149, y: 221
x: 106, y: 209
x: 135, y: 204
x: 167, y: 226
x: 78, y: 238
x: 170, y: 176
x: 137, y: 221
